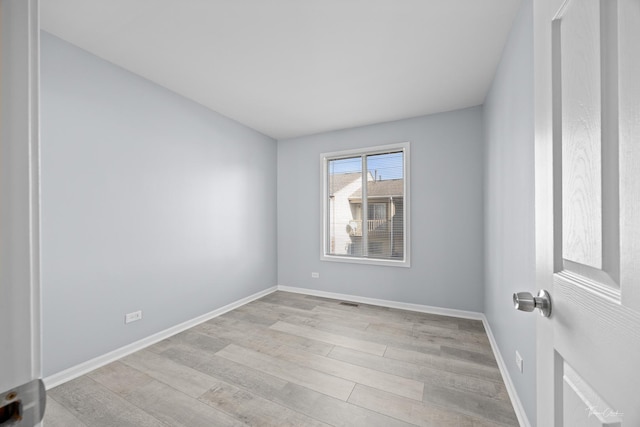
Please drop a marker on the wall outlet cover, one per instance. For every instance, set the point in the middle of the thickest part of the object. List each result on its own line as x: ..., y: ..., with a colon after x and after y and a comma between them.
x: 519, y: 361
x: 133, y: 317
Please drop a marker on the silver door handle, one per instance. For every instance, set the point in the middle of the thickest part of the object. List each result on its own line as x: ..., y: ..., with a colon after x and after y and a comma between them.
x: 524, y: 301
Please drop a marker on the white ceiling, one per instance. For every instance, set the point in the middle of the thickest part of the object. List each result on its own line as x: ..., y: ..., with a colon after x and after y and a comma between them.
x: 295, y: 67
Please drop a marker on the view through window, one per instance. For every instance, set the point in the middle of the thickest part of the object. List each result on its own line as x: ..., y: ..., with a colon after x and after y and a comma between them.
x: 365, y: 204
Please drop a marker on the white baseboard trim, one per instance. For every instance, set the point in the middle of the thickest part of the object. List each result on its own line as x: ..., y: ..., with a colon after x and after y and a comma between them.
x: 506, y: 378
x: 95, y: 363
x: 517, y: 404
x: 386, y: 303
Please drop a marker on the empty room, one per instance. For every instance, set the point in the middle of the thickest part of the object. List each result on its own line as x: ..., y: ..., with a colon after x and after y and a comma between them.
x: 319, y: 213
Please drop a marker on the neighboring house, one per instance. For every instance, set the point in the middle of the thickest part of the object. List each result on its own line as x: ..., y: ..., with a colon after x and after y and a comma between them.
x: 385, y: 216
x: 341, y: 213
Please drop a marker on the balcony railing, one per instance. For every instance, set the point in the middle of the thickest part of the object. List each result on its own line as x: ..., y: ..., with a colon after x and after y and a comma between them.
x: 355, y: 226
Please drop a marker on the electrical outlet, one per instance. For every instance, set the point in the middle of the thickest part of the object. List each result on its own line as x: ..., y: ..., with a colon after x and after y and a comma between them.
x: 519, y: 361
x: 133, y: 317
x: 315, y: 275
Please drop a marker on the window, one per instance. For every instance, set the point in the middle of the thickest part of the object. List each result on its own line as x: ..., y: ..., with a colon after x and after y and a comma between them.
x: 365, y: 205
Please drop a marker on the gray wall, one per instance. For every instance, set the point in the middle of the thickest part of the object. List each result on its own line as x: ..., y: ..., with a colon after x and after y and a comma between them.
x: 446, y: 213
x: 149, y: 202
x: 509, y: 204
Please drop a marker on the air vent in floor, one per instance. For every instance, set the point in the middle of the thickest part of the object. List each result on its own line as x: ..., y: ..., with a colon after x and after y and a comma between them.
x: 350, y: 304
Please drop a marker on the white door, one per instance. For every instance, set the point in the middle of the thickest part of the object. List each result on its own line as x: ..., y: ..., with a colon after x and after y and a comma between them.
x: 587, y: 87
x: 19, y: 215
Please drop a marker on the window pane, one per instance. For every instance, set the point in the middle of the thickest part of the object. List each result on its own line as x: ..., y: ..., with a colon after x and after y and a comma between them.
x: 385, y: 199
x: 345, y: 217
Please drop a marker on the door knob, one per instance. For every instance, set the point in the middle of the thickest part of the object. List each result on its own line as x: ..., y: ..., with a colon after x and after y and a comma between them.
x: 524, y: 301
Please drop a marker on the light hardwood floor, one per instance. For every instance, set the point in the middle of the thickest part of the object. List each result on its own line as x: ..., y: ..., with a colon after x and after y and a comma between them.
x: 295, y: 360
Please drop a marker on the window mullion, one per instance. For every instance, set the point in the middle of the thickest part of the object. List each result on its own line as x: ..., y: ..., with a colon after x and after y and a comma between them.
x: 365, y: 208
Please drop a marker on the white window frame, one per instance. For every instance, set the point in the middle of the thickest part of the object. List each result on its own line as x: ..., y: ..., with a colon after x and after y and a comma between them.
x: 324, y: 238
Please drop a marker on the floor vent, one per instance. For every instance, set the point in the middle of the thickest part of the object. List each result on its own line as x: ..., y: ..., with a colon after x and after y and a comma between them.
x: 350, y: 304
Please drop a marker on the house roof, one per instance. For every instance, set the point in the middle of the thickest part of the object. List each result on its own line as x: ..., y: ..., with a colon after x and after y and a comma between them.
x: 384, y: 188
x: 340, y: 180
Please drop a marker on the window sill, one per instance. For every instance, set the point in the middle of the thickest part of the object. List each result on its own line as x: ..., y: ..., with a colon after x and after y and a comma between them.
x: 370, y: 261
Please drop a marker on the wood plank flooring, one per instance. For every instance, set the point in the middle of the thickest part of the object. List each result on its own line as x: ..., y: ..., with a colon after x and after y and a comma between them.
x: 296, y: 360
